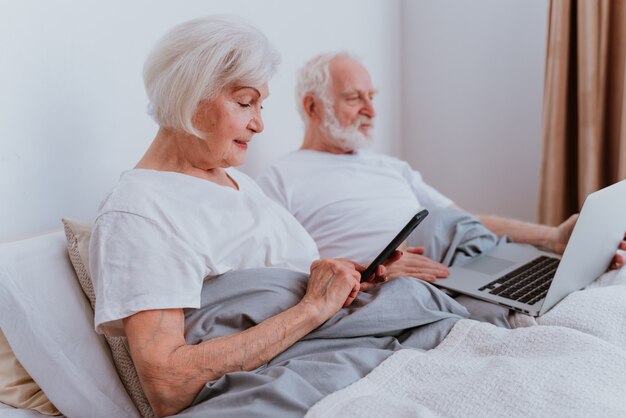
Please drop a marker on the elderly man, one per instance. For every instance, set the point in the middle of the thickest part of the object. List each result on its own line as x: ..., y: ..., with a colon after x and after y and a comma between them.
x: 353, y: 201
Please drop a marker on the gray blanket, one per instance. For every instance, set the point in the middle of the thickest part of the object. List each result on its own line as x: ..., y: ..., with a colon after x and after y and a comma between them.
x: 404, y: 313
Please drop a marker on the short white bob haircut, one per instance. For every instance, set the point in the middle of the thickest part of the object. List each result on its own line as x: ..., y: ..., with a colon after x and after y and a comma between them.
x: 314, y: 78
x: 198, y: 59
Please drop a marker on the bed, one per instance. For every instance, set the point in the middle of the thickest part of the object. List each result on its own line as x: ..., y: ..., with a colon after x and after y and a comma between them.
x: 570, y: 362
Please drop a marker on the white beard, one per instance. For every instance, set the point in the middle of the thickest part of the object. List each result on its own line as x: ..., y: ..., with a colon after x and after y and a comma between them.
x: 348, y: 138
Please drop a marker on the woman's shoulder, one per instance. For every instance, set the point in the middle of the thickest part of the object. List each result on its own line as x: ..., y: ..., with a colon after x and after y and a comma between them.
x: 135, y: 189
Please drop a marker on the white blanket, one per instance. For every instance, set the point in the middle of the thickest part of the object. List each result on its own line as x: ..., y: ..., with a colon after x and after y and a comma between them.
x: 570, y: 362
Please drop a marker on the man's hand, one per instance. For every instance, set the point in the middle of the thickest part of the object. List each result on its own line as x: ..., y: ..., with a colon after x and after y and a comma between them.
x: 563, y: 232
x: 412, y: 263
x: 332, y: 284
x: 618, y: 259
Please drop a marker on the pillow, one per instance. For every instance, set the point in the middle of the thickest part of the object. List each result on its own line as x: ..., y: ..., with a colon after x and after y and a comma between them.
x: 48, y: 322
x: 17, y: 388
x: 78, y: 234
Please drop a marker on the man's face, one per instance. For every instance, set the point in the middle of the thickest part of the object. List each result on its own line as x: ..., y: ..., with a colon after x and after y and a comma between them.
x: 350, y: 116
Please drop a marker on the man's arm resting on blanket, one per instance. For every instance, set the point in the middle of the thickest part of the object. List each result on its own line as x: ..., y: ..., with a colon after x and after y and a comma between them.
x: 172, y: 372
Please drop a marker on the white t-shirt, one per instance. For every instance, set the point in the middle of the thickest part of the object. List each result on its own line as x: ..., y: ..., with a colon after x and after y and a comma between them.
x: 351, y: 204
x: 159, y: 234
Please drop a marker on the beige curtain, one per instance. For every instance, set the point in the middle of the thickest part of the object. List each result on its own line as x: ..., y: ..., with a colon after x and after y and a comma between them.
x: 584, y: 109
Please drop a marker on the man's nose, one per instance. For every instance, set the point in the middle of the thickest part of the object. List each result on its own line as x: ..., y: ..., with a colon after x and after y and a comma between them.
x: 368, y: 108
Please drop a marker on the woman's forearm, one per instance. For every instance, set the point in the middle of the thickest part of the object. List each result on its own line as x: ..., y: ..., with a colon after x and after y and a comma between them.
x: 172, y: 372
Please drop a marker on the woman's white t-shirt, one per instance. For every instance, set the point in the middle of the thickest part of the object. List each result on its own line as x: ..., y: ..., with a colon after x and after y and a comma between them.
x: 159, y: 234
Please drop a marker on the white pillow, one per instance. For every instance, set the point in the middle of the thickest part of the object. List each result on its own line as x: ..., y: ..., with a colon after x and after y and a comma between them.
x: 49, y: 323
x: 78, y: 235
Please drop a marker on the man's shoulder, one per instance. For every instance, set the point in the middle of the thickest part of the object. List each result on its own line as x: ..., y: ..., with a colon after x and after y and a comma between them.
x: 375, y: 157
x: 293, y: 162
x: 299, y: 170
x: 289, y: 158
x: 303, y: 155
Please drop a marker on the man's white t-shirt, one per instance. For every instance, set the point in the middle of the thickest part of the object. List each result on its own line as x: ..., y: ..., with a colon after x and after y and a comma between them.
x: 351, y: 204
x: 159, y: 234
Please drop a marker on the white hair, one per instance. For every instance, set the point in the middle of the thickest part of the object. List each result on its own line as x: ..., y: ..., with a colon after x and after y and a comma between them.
x: 197, y: 59
x: 314, y: 78
x: 348, y: 138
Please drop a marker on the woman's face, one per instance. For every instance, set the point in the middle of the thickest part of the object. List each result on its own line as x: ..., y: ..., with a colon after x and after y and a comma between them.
x: 229, y: 121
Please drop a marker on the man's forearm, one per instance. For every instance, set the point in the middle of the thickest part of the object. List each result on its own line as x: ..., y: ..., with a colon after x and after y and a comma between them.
x: 518, y: 231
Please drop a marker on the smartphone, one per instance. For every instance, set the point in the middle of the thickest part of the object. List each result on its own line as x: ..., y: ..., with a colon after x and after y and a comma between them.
x: 391, y: 247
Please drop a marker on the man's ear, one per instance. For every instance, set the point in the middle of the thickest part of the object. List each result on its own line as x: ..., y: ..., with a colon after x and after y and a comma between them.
x: 312, y: 107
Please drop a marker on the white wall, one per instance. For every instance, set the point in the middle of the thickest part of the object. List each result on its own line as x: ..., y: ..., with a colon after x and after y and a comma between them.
x: 460, y: 93
x: 472, y: 99
x: 72, y: 105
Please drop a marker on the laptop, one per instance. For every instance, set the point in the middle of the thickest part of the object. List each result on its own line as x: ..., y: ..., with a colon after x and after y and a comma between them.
x: 531, y: 281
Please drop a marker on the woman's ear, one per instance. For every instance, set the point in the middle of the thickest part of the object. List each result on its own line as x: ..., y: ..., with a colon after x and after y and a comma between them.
x: 200, y: 113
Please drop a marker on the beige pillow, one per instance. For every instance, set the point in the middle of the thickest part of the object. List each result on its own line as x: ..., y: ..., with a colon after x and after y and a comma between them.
x: 78, y: 235
x: 17, y: 388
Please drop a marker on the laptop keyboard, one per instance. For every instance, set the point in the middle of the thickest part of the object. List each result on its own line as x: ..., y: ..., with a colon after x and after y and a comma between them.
x: 528, y: 283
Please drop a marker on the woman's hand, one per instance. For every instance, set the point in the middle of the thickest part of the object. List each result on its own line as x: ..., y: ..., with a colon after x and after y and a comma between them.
x: 333, y: 284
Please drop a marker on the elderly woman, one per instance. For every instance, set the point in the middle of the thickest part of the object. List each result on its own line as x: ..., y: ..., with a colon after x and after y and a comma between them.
x: 183, y: 215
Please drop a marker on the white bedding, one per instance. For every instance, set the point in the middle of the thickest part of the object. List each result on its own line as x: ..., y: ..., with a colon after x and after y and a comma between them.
x: 570, y: 362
